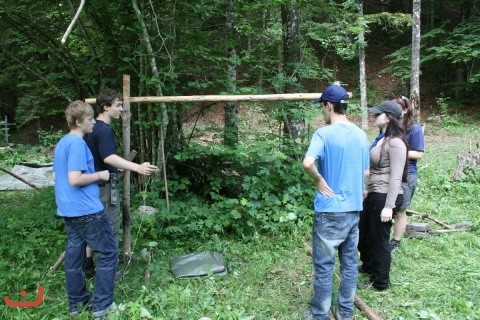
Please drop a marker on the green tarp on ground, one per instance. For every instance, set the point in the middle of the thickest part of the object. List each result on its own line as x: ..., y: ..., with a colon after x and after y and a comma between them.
x: 198, y: 264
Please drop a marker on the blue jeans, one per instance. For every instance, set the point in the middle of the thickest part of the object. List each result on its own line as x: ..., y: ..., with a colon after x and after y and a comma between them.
x: 334, y: 231
x: 94, y: 230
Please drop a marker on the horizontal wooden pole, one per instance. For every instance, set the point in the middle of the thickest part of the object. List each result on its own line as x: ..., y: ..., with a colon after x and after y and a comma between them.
x: 226, y: 98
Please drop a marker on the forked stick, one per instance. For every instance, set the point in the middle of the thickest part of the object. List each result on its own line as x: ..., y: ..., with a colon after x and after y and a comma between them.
x: 427, y: 216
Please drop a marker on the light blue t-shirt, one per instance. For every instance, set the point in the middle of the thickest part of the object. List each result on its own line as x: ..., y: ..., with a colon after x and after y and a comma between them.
x: 72, y: 154
x: 341, y: 151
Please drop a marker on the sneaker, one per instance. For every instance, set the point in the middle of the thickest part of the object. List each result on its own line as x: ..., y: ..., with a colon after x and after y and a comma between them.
x: 307, y: 315
x: 338, y: 316
x: 368, y: 285
x: 74, y: 314
x: 394, y: 246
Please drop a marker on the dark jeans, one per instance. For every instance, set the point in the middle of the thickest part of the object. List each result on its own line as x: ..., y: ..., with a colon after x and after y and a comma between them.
x: 374, y: 244
x: 94, y: 230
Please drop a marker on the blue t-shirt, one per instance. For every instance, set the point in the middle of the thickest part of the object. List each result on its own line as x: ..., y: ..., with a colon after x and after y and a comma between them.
x: 72, y: 154
x: 341, y: 151
x: 415, y: 141
x: 101, y: 142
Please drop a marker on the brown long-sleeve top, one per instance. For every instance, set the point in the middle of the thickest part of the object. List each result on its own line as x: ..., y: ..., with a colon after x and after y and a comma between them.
x: 386, y: 176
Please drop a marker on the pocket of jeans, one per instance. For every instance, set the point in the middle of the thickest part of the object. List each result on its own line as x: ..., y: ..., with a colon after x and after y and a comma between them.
x: 331, y: 225
x: 88, y: 224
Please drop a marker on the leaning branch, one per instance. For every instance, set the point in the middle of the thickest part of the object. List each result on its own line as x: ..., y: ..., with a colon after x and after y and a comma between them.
x: 70, y: 27
x: 20, y: 178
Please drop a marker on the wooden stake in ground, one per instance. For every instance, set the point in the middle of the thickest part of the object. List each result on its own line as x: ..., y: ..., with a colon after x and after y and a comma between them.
x: 20, y: 178
x: 358, y: 302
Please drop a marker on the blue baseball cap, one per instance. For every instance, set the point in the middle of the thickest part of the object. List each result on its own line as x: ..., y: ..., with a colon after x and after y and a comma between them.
x: 333, y: 94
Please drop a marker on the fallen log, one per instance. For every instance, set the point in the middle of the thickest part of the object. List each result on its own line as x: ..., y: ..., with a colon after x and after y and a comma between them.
x: 371, y: 315
x: 20, y: 178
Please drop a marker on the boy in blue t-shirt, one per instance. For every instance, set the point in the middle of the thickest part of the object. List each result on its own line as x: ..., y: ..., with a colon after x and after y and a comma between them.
x: 340, y: 150
x: 77, y: 198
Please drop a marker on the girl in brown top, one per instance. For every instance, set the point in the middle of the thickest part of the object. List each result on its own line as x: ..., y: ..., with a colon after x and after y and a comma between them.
x: 388, y: 159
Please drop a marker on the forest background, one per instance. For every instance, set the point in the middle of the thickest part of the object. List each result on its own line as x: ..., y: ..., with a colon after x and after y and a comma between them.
x: 234, y: 179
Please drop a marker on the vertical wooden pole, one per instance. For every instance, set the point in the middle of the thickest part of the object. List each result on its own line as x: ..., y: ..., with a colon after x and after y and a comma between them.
x: 415, y: 69
x: 126, y: 115
x: 363, y: 73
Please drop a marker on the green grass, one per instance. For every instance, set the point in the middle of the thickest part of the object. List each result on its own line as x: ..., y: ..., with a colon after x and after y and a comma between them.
x: 269, y: 275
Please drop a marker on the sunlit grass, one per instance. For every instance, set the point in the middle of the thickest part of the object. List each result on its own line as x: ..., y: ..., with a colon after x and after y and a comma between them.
x: 269, y: 275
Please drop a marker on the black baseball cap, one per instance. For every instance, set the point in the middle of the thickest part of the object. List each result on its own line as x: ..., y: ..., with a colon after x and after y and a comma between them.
x: 390, y: 107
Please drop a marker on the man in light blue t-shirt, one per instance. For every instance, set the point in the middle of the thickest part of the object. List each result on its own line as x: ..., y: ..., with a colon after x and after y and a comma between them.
x: 340, y: 151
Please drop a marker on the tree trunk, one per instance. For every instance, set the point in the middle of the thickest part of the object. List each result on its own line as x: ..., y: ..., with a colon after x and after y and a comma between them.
x: 294, y: 121
x: 141, y: 128
x: 460, y: 81
x: 126, y: 115
x: 415, y: 72
x: 155, y: 74
x: 465, y: 160
x: 231, y: 108
x: 363, y: 79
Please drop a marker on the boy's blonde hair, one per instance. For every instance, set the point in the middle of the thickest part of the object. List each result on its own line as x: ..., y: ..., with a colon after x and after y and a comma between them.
x: 77, y: 110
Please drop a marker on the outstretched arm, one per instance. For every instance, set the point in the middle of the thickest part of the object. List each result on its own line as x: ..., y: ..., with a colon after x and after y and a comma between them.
x: 118, y: 162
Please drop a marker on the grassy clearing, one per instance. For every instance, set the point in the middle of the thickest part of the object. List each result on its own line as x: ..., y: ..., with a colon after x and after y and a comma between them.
x: 270, y: 274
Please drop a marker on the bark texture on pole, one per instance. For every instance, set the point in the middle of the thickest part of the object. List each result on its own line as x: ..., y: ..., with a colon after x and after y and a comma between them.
x: 363, y: 77
x: 226, y: 98
x: 415, y: 72
x: 155, y: 73
x: 294, y: 126
x: 126, y: 116
x: 231, y: 108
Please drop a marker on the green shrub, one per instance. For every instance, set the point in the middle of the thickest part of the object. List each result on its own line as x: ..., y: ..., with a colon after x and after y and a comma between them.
x: 49, y: 138
x: 241, y: 190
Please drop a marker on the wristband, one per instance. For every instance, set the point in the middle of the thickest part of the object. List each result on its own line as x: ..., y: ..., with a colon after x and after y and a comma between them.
x: 98, y: 176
